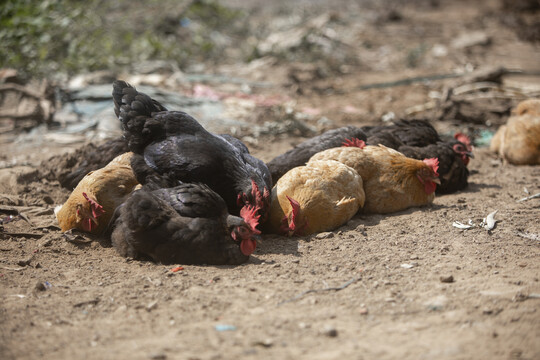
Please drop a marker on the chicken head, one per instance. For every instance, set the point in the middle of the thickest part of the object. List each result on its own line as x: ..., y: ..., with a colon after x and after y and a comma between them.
x: 87, y: 214
x: 244, y: 231
x: 429, y: 176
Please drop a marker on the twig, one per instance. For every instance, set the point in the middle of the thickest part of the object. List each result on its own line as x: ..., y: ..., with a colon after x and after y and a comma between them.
x: 528, y: 236
x: 353, y: 280
x: 12, y: 269
x: 24, y: 234
x: 529, y: 197
x: 88, y: 302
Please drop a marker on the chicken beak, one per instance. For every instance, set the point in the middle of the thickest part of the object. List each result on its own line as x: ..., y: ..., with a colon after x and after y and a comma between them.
x: 436, y: 181
x: 257, y: 238
x: 470, y: 154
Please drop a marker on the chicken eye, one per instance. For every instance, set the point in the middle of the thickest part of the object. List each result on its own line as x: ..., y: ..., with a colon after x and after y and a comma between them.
x: 459, y: 148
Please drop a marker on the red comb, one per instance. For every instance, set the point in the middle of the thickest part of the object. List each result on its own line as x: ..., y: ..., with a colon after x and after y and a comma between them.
x: 249, y: 214
x: 433, y: 163
x: 355, y: 142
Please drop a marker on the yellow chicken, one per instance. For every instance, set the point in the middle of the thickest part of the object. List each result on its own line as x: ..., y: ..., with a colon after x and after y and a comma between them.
x: 92, y: 203
x: 392, y: 181
x: 518, y: 142
x: 320, y: 196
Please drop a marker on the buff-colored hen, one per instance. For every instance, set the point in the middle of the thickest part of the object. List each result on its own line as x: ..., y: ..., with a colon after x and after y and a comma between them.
x: 92, y: 203
x: 392, y: 181
x: 318, y: 197
x: 518, y: 142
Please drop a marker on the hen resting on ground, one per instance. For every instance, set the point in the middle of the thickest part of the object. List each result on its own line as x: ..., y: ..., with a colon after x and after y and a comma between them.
x: 92, y: 203
x: 518, y: 142
x: 176, y: 148
x: 417, y: 139
x: 320, y: 196
x: 187, y: 224
x: 300, y: 154
x: 392, y: 181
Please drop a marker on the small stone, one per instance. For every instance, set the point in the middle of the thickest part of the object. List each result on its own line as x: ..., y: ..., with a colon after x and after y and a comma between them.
x: 324, y: 235
x: 152, y: 305
x: 295, y: 261
x: 447, y: 279
x: 40, y: 286
x: 276, y: 265
x: 48, y: 200
x: 265, y: 343
x: 363, y: 311
x: 330, y: 331
x: 334, y: 268
x: 407, y: 266
x: 24, y: 262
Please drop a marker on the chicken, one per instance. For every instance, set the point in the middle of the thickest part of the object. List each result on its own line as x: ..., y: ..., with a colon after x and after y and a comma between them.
x: 392, y: 181
x: 299, y: 155
x: 187, y: 224
x: 92, y: 203
x: 518, y: 142
x: 417, y: 132
x: 320, y: 196
x: 176, y: 148
x: 417, y: 139
x: 71, y: 168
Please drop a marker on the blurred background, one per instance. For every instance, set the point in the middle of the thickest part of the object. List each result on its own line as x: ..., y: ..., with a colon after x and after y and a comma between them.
x: 258, y: 69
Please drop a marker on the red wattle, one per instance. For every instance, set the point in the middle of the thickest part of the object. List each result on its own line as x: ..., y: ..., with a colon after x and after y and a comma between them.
x: 429, y: 187
x: 248, y: 246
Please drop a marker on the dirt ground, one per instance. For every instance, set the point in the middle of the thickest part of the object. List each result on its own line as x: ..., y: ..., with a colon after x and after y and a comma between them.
x: 407, y: 285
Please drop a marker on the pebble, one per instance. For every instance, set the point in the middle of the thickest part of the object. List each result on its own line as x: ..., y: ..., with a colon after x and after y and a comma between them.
x: 40, y: 286
x: 447, y: 279
x: 265, y: 343
x: 24, y: 262
x: 48, y: 200
x: 324, y: 235
x: 152, y: 305
x: 363, y: 311
x: 330, y: 331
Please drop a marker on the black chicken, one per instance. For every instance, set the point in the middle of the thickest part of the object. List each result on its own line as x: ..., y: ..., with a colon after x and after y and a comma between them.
x: 419, y: 140
x: 299, y: 155
x: 176, y: 148
x: 71, y: 168
x: 187, y: 224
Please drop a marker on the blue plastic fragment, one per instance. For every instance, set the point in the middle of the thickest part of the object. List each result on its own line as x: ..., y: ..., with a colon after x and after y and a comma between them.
x: 225, y: 327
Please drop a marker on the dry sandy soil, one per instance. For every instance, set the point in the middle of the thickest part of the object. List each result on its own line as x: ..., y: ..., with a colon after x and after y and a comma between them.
x: 407, y: 285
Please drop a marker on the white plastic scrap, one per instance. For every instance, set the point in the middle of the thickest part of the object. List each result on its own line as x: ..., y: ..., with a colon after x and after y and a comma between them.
x: 489, y: 222
x: 460, y: 225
